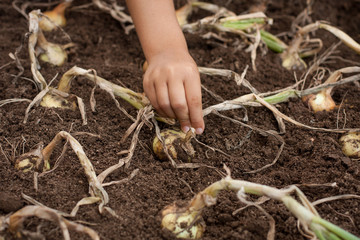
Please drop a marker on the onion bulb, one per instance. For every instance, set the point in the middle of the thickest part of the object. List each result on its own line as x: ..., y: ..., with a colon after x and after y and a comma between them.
x: 183, y: 223
x: 322, y: 101
x: 55, y: 101
x: 351, y: 144
x: 177, y: 144
x: 51, y: 52
x: 292, y: 61
x: 32, y: 160
x: 54, y: 18
x: 54, y: 54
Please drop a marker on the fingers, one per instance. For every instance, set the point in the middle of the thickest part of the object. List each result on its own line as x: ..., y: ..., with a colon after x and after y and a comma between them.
x: 156, y: 89
x: 177, y: 96
x: 193, y: 98
x: 185, y: 98
x: 149, y: 88
x: 179, y: 104
x: 162, y: 97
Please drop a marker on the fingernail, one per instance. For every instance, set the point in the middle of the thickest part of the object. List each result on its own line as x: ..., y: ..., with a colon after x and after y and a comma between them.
x: 199, y: 131
x: 186, y: 129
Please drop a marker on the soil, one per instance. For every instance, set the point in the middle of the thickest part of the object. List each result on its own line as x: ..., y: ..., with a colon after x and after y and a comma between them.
x: 312, y: 160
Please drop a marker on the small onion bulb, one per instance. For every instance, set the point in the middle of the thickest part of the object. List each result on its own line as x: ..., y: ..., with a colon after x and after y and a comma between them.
x: 54, y: 101
x: 54, y: 54
x: 351, y: 144
x: 322, y: 101
x: 183, y: 223
x: 54, y: 18
x: 177, y: 143
x: 31, y: 161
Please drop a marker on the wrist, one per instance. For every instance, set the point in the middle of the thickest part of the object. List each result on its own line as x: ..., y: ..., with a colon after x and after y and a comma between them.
x: 173, y: 43
x: 169, y: 52
x: 157, y: 26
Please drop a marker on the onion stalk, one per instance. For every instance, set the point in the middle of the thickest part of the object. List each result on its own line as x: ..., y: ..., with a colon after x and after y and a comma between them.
x: 54, y: 18
x: 273, y: 42
x: 223, y: 20
x: 14, y: 222
x: 183, y: 13
x: 283, y: 95
x: 212, y: 8
x: 242, y: 24
x: 229, y: 21
x: 246, y: 26
x: 33, y: 39
x: 186, y: 222
x: 117, y: 12
x: 137, y: 100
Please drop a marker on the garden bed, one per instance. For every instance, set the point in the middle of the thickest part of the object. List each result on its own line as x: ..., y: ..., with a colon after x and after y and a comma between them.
x: 311, y: 159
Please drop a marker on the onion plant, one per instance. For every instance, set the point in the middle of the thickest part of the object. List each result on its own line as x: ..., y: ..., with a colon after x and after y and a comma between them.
x: 52, y: 53
x: 15, y: 221
x: 322, y: 100
x: 317, y: 97
x: 48, y: 96
x: 292, y: 57
x: 247, y: 27
x: 186, y: 222
x: 39, y: 160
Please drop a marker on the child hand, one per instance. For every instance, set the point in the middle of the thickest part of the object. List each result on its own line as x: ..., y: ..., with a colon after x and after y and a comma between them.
x: 172, y: 81
x: 172, y: 84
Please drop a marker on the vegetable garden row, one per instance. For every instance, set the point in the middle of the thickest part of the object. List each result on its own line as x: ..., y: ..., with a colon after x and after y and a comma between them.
x: 263, y: 136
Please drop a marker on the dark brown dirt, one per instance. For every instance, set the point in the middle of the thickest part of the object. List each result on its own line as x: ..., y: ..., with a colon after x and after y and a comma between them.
x: 309, y: 157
